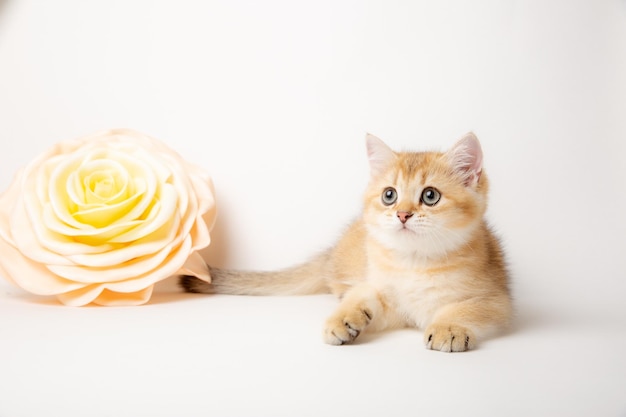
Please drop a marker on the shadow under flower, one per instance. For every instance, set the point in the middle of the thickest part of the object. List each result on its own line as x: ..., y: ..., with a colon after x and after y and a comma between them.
x: 168, y: 291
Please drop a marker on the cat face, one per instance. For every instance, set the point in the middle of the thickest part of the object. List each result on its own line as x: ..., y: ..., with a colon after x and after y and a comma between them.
x: 425, y: 204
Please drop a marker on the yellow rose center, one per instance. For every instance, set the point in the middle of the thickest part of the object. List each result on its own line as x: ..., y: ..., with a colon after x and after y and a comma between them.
x: 103, y: 191
x: 108, y: 196
x: 100, y: 187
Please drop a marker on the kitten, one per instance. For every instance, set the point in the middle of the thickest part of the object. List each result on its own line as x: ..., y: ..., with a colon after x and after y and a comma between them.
x: 420, y: 255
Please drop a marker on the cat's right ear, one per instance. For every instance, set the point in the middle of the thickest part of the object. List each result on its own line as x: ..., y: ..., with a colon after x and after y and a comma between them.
x: 379, y: 154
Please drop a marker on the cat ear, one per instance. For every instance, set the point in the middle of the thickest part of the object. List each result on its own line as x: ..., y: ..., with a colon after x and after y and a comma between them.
x: 466, y: 158
x: 379, y: 154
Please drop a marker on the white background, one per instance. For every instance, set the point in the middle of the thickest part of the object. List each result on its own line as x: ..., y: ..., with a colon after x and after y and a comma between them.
x: 274, y: 99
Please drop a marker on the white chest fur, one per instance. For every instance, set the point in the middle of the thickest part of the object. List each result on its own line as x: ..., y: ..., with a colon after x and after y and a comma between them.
x: 417, y: 293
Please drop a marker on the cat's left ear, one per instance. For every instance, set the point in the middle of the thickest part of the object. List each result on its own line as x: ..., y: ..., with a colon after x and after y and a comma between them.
x: 379, y: 154
x: 466, y: 158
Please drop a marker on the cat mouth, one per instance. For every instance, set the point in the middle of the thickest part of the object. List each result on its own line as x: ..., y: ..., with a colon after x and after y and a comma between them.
x: 404, y: 229
x: 415, y: 230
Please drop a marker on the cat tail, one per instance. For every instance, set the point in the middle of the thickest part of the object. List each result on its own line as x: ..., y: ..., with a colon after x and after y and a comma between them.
x: 308, y: 278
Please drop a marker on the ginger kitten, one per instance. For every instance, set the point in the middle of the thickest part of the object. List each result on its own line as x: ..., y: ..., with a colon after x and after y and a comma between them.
x: 420, y: 255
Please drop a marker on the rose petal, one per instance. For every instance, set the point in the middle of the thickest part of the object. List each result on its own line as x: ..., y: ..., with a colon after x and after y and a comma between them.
x: 31, y: 276
x: 97, y: 294
x: 169, y: 267
x: 145, y: 246
x: 196, y: 266
x: 112, y: 298
x: 145, y: 187
x: 200, y: 234
x: 86, y: 234
x: 128, y: 271
x: 158, y: 216
x: 81, y: 296
x: 25, y: 239
x: 101, y: 219
x: 85, y: 185
x: 29, y: 242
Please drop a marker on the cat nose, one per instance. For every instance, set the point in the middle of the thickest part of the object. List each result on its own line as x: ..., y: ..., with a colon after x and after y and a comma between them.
x: 404, y: 216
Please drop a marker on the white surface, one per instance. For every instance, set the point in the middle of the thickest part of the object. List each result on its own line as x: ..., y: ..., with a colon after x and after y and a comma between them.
x: 274, y: 99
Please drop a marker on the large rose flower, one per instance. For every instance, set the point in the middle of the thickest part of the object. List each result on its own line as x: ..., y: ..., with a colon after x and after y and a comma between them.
x: 103, y: 218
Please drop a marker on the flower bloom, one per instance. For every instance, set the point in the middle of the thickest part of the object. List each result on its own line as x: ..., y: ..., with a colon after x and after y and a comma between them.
x: 103, y: 218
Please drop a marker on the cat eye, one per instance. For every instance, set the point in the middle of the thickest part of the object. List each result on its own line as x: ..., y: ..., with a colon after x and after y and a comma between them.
x: 430, y: 196
x: 390, y: 195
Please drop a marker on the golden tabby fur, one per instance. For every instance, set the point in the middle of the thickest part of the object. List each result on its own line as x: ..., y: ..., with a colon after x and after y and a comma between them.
x: 420, y: 255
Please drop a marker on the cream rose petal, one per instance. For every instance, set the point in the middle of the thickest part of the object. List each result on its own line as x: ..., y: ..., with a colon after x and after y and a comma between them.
x: 29, y: 243
x: 110, y: 298
x: 146, y: 242
x: 114, y: 273
x: 146, y: 246
x: 207, y: 207
x: 32, y: 276
x: 145, y: 188
x: 167, y: 206
x: 97, y: 294
x: 101, y: 219
x: 24, y: 236
x: 170, y: 266
x: 196, y: 266
x: 131, y: 287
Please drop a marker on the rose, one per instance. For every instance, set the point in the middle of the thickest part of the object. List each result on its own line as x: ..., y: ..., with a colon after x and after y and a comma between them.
x: 103, y: 218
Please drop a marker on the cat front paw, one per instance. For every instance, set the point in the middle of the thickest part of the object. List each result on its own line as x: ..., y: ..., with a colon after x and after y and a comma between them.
x: 344, y: 327
x: 449, y: 338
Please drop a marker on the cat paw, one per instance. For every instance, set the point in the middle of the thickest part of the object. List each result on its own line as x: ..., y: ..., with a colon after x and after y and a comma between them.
x: 342, y: 327
x: 449, y: 338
